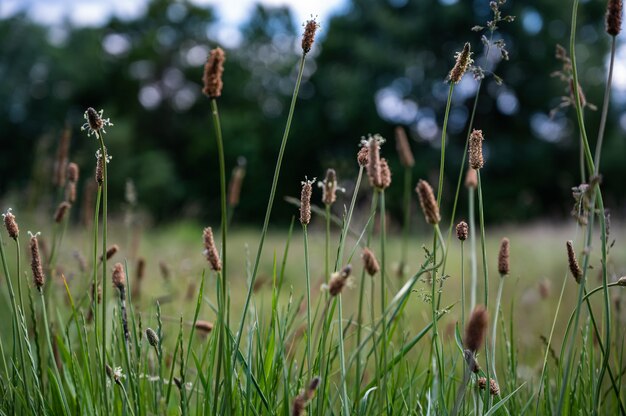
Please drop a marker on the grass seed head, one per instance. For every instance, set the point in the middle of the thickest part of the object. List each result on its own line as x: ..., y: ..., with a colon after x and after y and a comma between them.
x: 119, y: 276
x: 61, y: 211
x: 60, y: 163
x: 153, y: 338
x: 476, y: 328
x: 70, y: 192
x: 204, y: 326
x: 463, y: 62
x: 111, y: 251
x: 72, y: 172
x: 310, y: 27
x: 305, y: 201
x: 574, y: 267
x: 213, y: 70
x: 385, y: 174
x: 210, y: 251
x: 614, y: 17
x: 503, y: 257
x: 373, y: 160
x: 462, y: 231
x: 11, y: 224
x: 329, y: 187
x: 476, y: 149
x: 428, y: 202
x: 236, y: 181
x: 35, y: 262
x: 369, y: 262
x: 301, y: 400
x: 403, y: 148
x: 363, y: 156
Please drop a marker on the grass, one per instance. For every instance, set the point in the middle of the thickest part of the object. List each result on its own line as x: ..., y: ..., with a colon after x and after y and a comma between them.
x: 391, y: 346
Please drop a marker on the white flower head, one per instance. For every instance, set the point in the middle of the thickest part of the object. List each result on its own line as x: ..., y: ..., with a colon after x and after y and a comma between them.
x: 7, y: 213
x: 108, y: 157
x: 95, y: 122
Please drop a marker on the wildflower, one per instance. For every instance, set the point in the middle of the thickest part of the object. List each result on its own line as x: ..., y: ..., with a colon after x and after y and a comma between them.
x: 329, y: 187
x: 305, y: 201
x: 119, y: 276
x: 573, y: 262
x: 503, y: 257
x: 95, y: 122
x: 462, y: 231
x: 385, y: 174
x: 428, y: 202
x: 38, y: 276
x: 210, y: 251
x: 11, y: 224
x: 476, y: 149
x: 363, y: 156
x: 213, y: 70
x: 369, y: 262
x: 463, y: 62
x: 310, y: 27
x: 476, y: 328
x: 614, y: 17
x: 338, y: 281
x: 61, y: 211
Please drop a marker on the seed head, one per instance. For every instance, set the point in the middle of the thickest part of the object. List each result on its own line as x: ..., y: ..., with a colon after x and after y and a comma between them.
x: 503, y: 257
x: 493, y: 387
x: 35, y: 262
x: 305, y: 201
x: 404, y: 148
x: 614, y: 17
x: 329, y: 187
x: 72, y: 172
x: 96, y: 293
x: 476, y: 149
x: 301, y: 400
x: 471, y: 179
x: 428, y: 202
x: 204, y: 326
x: 310, y: 27
x: 210, y: 251
x: 462, y: 230
x: 385, y: 174
x: 476, y: 328
x: 61, y: 211
x: 70, y: 192
x: 236, y: 180
x: 621, y: 281
x: 153, y: 338
x: 373, y: 159
x: 482, y: 383
x: 362, y: 157
x: 574, y: 268
x: 141, y: 268
x: 95, y: 122
x: 11, y: 224
x: 463, y: 62
x: 338, y: 280
x: 213, y: 70
x: 119, y: 276
x: 100, y: 164
x: 111, y: 251
x: 369, y: 262
x: 470, y: 360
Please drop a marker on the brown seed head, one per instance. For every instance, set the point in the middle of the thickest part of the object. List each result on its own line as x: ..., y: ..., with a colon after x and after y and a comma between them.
x: 462, y: 230
x: 210, y: 251
x: 308, y: 37
x: 428, y: 202
x: 476, y: 149
x: 94, y: 119
x: 369, y: 262
x: 329, y: 187
x: 481, y: 382
x: 119, y: 276
x: 404, y: 148
x: 35, y: 262
x: 70, y: 192
x: 301, y: 400
x: 621, y: 281
x: 305, y: 201
x: 204, y: 326
x: 614, y: 17
x: 72, y: 172
x: 471, y: 179
x: 213, y: 70
x: 476, y: 328
x: 99, y: 169
x: 574, y: 268
x: 503, y: 257
x: 385, y: 174
x: 470, y: 360
x: 362, y: 157
x: 463, y: 62
x: 141, y: 268
x: 373, y: 161
x: 493, y: 387
x: 61, y: 211
x: 11, y: 224
x: 338, y: 280
x: 111, y: 251
x: 545, y: 287
x: 153, y: 338
x: 236, y: 180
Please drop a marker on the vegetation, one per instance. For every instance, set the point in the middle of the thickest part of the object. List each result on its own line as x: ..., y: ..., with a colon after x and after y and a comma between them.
x: 415, y: 340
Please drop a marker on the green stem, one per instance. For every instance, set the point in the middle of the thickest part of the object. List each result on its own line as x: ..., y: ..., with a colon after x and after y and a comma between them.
x: 408, y: 180
x: 605, y: 106
x: 473, y: 259
x: 494, y: 328
x: 462, y: 286
x: 342, y: 361
x: 308, y: 299
x: 443, y: 144
x: 383, y: 294
x: 268, y: 211
x: 57, y: 374
x: 485, y: 271
x: 327, y: 243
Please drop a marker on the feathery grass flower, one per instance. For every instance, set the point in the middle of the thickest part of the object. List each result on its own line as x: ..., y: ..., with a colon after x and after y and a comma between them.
x: 95, y: 122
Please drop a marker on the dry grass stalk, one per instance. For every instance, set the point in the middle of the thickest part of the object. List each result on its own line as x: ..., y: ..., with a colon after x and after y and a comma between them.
x: 35, y: 263
x: 462, y: 231
x: 476, y: 328
x: 301, y: 400
x: 574, y: 267
x: 210, y: 251
x: 403, y: 148
x: 463, y: 62
x: 213, y: 70
x: 11, y: 224
x: 614, y: 17
x: 308, y: 37
x: 369, y: 262
x: 428, y: 202
x: 476, y: 149
x: 503, y: 257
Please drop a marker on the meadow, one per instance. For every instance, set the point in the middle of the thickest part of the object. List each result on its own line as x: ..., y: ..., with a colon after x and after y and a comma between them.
x: 348, y: 310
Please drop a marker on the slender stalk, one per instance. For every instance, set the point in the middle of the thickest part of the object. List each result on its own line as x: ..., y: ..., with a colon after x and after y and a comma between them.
x: 473, y: 259
x: 408, y: 181
x: 485, y: 270
x: 104, y: 156
x: 605, y: 105
x: 383, y: 294
x: 443, y: 144
x: 342, y: 361
x: 268, y: 211
x: 462, y: 286
x: 308, y: 299
x: 225, y: 318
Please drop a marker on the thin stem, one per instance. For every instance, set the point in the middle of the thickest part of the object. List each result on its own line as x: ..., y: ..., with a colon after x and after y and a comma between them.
x: 383, y: 294
x: 605, y: 106
x: 268, y: 211
x: 485, y: 269
x: 473, y: 259
x: 494, y: 327
x: 51, y: 350
x: 342, y: 361
x: 443, y: 144
x: 462, y: 286
x: 408, y: 180
x: 308, y: 298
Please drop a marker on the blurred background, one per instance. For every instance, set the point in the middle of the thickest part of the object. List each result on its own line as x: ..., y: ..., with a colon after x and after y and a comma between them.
x: 376, y: 64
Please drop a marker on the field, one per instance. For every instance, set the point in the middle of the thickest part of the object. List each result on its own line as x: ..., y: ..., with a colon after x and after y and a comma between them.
x: 344, y: 308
